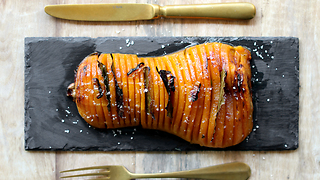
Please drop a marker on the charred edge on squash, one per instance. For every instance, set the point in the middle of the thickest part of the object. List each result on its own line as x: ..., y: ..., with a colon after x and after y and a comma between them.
x: 106, y: 82
x: 138, y: 68
x: 119, y: 92
x: 96, y: 82
x: 169, y: 85
x: 97, y: 53
x: 194, y: 93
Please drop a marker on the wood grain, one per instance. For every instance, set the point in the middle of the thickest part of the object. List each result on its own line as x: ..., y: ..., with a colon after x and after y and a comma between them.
x: 21, y: 19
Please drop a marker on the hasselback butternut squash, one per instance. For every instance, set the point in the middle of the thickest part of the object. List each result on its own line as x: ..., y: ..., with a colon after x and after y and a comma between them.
x: 201, y: 94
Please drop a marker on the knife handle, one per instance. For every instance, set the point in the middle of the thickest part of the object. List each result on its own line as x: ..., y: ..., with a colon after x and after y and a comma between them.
x: 243, y: 11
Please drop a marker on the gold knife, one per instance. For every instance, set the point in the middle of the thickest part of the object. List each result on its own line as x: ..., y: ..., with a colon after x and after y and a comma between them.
x: 133, y: 12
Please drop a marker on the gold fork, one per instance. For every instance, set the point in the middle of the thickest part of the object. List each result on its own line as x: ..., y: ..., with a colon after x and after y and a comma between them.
x: 229, y: 171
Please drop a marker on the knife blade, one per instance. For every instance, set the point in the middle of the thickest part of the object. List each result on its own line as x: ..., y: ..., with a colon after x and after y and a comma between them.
x: 133, y: 12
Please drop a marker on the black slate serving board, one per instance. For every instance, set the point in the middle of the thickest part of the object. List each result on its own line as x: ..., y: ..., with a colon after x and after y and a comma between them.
x: 52, y: 121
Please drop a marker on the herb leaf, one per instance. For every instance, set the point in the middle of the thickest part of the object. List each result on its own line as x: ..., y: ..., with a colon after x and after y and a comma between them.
x: 106, y: 83
x: 168, y: 81
x: 222, y: 85
x: 138, y: 68
x: 119, y: 93
x: 148, y: 99
x: 96, y: 81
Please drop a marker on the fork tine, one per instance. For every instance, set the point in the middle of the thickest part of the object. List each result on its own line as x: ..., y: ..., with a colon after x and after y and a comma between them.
x: 86, y: 168
x: 87, y: 174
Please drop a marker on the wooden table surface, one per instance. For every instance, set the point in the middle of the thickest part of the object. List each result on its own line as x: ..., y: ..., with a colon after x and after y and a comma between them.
x: 20, y: 19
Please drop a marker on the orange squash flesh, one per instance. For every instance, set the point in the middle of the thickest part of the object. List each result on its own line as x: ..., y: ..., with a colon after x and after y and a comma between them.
x: 143, y: 118
x: 117, y: 73
x: 207, y: 95
x: 211, y: 99
x: 161, y: 105
x: 131, y: 92
x: 215, y: 89
x: 200, y: 102
x: 137, y: 92
x: 104, y: 101
x: 97, y: 101
x: 188, y: 103
x: 90, y: 104
x: 177, y: 115
x: 80, y: 88
x: 229, y: 118
x: 219, y: 130
x: 167, y: 119
x: 237, y: 102
x: 194, y: 105
x: 114, y: 113
x: 175, y: 95
x: 123, y: 83
x: 155, y: 93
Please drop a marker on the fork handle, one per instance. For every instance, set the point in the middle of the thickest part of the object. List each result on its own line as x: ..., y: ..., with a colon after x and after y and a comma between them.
x: 229, y: 171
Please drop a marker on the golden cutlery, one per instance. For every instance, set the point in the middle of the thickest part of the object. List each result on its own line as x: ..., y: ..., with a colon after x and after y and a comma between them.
x: 229, y: 171
x: 132, y: 12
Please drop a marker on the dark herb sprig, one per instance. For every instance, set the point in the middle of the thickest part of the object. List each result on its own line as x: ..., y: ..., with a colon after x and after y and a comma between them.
x: 136, y: 69
x: 168, y: 81
x: 119, y: 93
x: 223, y: 75
x: 106, y: 83
x: 96, y: 82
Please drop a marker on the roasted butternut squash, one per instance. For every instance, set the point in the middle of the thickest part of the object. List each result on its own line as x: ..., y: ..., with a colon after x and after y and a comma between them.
x: 201, y: 94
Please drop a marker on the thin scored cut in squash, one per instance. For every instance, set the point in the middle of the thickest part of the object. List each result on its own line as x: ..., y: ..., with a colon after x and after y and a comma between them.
x: 220, y: 127
x: 188, y: 102
x: 137, y: 92
x: 237, y: 101
x: 131, y: 91
x: 229, y: 120
x: 118, y: 79
x: 207, y: 95
x: 104, y: 102
x: 142, y: 95
x: 93, y: 114
x: 80, y: 87
x: 156, y: 91
x: 200, y: 102
x: 161, y: 107
x: 215, y: 90
x: 151, y: 88
x: 124, y: 87
x: 96, y: 101
x: 175, y: 95
x: 115, y: 117
x: 167, y: 120
x: 181, y: 100
x: 194, y: 105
